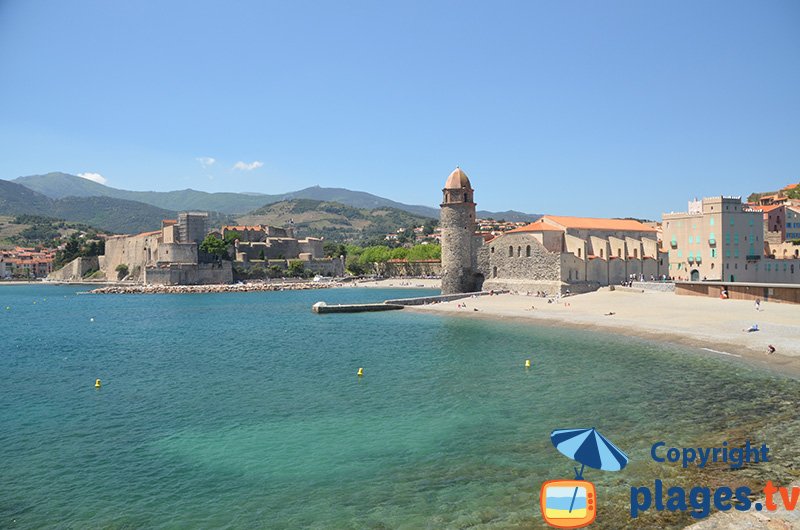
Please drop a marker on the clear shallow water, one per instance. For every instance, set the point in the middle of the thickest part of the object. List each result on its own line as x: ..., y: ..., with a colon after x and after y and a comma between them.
x: 244, y: 411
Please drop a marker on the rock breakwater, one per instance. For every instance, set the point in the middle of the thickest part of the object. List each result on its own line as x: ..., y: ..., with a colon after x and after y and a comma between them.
x: 225, y: 288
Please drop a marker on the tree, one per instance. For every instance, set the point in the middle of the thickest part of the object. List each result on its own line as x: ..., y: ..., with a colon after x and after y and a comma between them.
x: 354, y: 266
x: 232, y: 236
x: 424, y: 252
x: 334, y: 250
x: 296, y: 269
x: 399, y: 253
x: 122, y: 271
x: 215, y: 246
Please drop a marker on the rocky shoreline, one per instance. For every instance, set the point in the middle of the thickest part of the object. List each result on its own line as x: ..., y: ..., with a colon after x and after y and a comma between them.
x: 217, y: 288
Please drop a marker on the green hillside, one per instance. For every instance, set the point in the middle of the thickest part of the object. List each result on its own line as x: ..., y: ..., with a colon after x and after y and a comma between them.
x: 104, y: 213
x: 60, y: 185
x: 333, y: 220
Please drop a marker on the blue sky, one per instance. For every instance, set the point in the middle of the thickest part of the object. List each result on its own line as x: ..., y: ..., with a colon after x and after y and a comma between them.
x: 578, y: 108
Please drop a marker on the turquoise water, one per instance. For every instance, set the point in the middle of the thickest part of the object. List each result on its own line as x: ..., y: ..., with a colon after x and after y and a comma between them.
x: 244, y: 411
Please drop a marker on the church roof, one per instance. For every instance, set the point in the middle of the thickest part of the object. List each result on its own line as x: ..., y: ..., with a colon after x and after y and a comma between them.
x: 538, y: 226
x: 457, y: 180
x: 593, y: 223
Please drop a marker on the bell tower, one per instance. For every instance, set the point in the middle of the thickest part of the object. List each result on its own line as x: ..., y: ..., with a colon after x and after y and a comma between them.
x: 457, y: 222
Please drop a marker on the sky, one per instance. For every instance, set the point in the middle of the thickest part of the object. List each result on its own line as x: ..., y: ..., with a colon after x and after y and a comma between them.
x: 602, y: 108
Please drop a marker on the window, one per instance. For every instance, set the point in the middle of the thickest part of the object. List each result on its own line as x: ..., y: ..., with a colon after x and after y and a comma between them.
x: 510, y: 251
x: 728, y: 239
x: 736, y: 238
x: 713, y: 253
x: 519, y: 251
x: 635, y: 253
x: 528, y: 251
x: 711, y: 221
x: 579, y: 253
x: 494, y: 272
x: 492, y: 250
x: 601, y: 252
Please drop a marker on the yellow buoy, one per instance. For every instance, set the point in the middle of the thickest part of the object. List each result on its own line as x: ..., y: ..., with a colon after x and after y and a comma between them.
x: 527, y: 363
x: 97, y: 383
x: 360, y: 372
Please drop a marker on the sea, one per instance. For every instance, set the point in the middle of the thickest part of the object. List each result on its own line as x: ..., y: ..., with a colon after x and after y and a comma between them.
x: 244, y: 410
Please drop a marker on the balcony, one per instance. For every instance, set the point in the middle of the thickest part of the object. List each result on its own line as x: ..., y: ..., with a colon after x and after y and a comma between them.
x: 753, y: 257
x: 674, y: 243
x: 712, y: 241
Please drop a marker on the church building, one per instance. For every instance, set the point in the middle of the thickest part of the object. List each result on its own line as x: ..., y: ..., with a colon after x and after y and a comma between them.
x: 553, y: 254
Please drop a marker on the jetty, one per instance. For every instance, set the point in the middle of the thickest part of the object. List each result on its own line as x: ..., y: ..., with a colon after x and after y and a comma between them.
x: 397, y: 303
x: 322, y: 307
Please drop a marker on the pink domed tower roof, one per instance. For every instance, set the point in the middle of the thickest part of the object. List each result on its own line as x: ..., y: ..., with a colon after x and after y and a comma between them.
x: 457, y: 180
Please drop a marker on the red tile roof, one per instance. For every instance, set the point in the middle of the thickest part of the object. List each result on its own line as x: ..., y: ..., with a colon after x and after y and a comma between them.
x: 593, y: 223
x: 767, y: 208
x: 538, y: 226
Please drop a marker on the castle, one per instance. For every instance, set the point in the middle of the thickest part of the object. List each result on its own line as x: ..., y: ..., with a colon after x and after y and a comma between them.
x: 554, y: 255
x: 169, y: 256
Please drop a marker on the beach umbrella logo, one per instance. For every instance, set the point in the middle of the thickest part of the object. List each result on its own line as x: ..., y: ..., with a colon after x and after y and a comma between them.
x: 573, y: 503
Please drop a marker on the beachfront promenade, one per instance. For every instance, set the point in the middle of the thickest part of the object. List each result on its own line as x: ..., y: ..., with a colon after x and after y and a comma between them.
x: 711, y: 323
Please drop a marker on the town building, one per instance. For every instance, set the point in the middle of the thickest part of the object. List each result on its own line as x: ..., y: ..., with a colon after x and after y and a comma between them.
x: 723, y: 239
x: 554, y: 255
x: 579, y: 254
x: 26, y: 263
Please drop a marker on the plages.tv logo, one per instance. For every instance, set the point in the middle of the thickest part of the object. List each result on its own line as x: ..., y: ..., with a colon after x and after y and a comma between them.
x: 573, y: 503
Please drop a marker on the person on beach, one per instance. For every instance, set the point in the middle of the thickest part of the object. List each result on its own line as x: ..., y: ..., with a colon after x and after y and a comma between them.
x: 758, y: 304
x: 770, y: 349
x: 752, y: 328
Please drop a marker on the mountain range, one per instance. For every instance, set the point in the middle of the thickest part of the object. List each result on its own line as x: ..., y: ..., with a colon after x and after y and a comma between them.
x: 60, y: 185
x: 76, y: 199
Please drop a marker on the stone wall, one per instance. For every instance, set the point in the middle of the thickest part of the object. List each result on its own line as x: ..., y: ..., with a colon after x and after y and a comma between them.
x: 664, y: 287
x: 458, y: 227
x: 413, y: 268
x: 519, y: 262
x: 177, y: 252
x: 520, y: 256
x: 190, y: 274
x: 75, y: 269
x: 137, y: 252
x: 323, y: 266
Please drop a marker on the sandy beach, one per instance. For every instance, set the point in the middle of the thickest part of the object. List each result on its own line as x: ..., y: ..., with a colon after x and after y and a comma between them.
x: 401, y: 283
x: 713, y: 326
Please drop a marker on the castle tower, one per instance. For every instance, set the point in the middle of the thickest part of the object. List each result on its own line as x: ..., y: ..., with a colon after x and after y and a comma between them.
x: 457, y: 222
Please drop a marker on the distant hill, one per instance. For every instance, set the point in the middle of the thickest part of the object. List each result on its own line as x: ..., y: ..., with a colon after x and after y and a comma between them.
x: 509, y: 215
x: 16, y: 199
x: 332, y: 220
x: 104, y: 213
x: 59, y: 185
